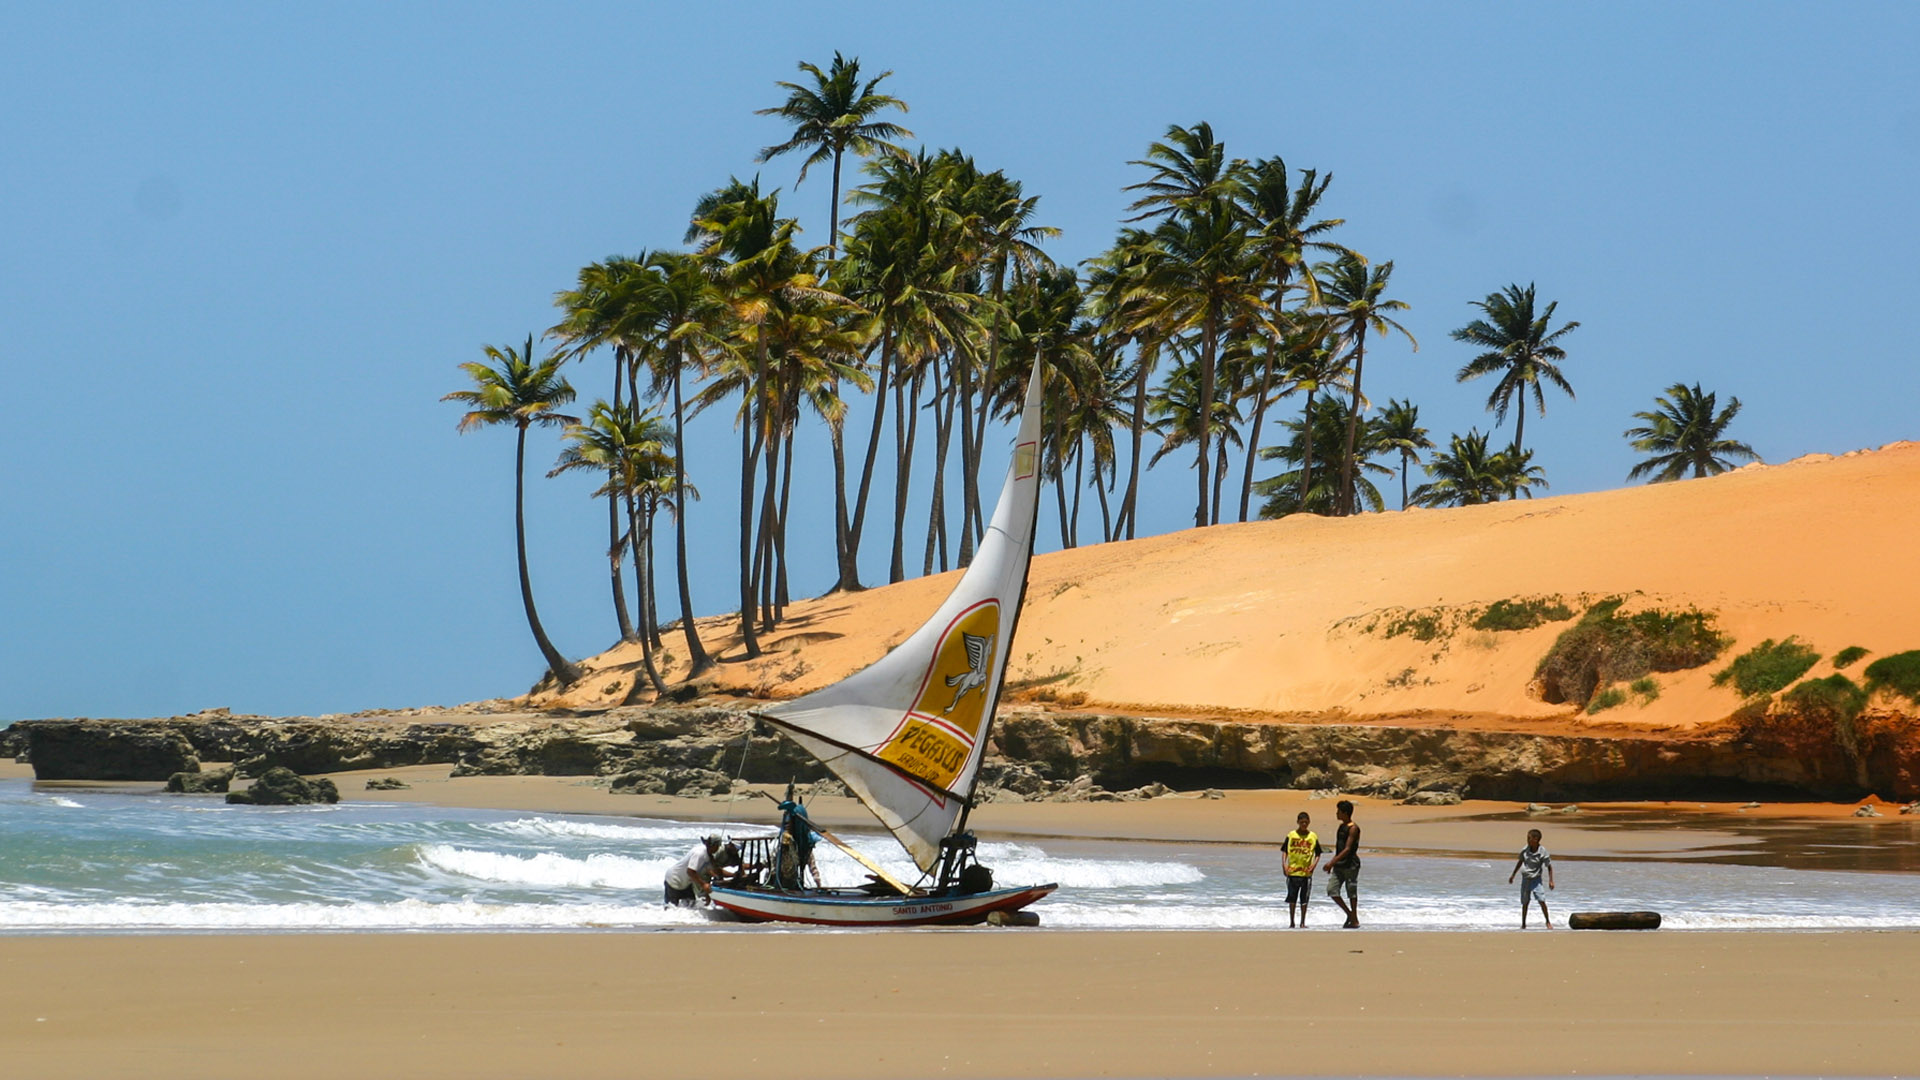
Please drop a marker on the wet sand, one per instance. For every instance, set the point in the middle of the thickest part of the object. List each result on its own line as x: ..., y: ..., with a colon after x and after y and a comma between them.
x: 980, y: 1003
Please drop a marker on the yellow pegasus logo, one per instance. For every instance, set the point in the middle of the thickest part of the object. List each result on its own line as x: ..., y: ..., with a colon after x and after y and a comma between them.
x: 939, y: 733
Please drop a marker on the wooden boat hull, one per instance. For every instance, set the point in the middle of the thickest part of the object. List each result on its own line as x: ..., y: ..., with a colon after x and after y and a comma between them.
x: 853, y: 909
x: 1614, y: 920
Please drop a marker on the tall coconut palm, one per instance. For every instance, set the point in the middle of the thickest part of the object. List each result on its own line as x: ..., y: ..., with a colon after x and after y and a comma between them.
x: 1400, y: 430
x: 509, y: 388
x: 832, y: 116
x: 1521, y: 348
x: 690, y: 320
x: 595, y: 313
x: 1355, y: 296
x: 1200, y: 279
x: 1684, y: 433
x: 1286, y: 237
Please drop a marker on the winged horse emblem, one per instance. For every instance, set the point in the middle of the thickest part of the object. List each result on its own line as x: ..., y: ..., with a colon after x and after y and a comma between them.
x: 979, y: 658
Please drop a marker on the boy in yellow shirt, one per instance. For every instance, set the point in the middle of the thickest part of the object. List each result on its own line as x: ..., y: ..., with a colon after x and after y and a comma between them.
x: 1303, y: 858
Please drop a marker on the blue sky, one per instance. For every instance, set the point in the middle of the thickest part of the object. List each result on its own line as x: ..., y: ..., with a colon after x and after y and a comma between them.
x: 242, y: 249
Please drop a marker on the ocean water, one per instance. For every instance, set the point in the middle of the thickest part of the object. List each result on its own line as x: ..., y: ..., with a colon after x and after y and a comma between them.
x: 90, y: 860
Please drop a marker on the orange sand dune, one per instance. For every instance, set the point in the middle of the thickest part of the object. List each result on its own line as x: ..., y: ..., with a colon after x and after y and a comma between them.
x: 1271, y: 618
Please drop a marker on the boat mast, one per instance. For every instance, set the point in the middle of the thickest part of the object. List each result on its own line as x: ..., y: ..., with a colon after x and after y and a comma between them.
x: 1013, y: 633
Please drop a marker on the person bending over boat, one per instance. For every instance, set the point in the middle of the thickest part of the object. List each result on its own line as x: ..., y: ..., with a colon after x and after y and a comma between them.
x: 690, y: 881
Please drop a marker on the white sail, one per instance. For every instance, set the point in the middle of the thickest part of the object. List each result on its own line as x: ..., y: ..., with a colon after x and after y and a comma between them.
x: 907, y: 734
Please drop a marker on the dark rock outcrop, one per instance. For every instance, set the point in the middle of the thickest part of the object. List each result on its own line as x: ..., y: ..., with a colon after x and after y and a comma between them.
x: 200, y: 783
x: 1033, y: 754
x: 387, y: 783
x: 280, y: 786
x: 104, y: 750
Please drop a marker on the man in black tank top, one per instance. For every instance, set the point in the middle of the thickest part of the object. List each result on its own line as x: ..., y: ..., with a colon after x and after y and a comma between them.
x: 1344, y: 869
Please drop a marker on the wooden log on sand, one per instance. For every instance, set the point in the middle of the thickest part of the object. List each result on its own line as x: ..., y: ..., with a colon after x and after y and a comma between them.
x: 1614, y: 920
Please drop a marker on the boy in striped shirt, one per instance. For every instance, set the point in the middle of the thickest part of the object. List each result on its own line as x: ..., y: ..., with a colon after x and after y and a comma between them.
x: 1534, y: 861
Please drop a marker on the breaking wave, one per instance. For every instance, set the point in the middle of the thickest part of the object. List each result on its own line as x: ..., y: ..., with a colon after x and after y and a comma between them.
x: 546, y: 869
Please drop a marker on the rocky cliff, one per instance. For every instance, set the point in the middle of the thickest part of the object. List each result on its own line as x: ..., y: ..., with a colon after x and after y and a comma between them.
x: 1034, y: 753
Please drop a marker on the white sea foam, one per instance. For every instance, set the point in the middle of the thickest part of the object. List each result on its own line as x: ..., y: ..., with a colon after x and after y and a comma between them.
x: 68, y: 803
x: 546, y: 869
x: 395, y: 915
x: 544, y: 827
x: 1020, y: 864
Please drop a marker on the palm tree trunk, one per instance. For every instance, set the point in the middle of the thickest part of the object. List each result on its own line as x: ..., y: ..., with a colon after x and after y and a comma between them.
x: 749, y: 466
x: 833, y: 210
x: 563, y: 671
x: 763, y: 572
x: 1219, y: 475
x: 613, y: 529
x: 650, y: 615
x: 903, y: 475
x: 697, y: 659
x: 972, y: 481
x: 836, y: 439
x: 1204, y: 420
x: 1079, y: 486
x: 850, y: 560
x: 1403, y: 472
x: 1128, y: 513
x: 1306, y: 433
x: 646, y: 643
x: 1353, y: 423
x: 943, y: 401
x: 1253, y: 436
x: 1100, y: 491
x: 781, y: 598
x: 969, y: 462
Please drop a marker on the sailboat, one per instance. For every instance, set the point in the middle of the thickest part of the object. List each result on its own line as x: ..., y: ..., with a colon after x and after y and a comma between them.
x: 907, y: 736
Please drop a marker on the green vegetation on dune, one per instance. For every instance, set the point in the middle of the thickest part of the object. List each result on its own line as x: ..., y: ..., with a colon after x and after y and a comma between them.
x: 1606, y: 647
x: 1899, y: 673
x: 1848, y: 656
x: 1647, y: 687
x: 1835, y: 696
x: 1767, y: 667
x: 1523, y: 614
x: 1607, y: 699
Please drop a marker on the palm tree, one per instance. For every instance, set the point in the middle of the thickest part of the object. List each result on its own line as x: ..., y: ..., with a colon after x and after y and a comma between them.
x: 832, y: 116
x: 1285, y: 236
x: 629, y: 447
x: 1400, y: 430
x: 1293, y: 492
x: 1313, y: 364
x: 1355, y: 299
x: 511, y: 389
x: 594, y: 314
x: 1521, y: 348
x: 690, y: 320
x: 1467, y: 474
x: 1684, y: 433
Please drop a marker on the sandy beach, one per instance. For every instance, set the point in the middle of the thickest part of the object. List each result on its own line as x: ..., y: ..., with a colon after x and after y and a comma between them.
x: 981, y: 1003
x: 986, y: 1002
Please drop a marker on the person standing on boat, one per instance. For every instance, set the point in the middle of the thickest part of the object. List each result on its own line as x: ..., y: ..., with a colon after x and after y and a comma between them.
x: 690, y: 880
x: 1344, y: 869
x: 795, y: 857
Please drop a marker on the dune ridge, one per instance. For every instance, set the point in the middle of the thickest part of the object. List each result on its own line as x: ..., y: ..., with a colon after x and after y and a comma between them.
x: 1291, y: 620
